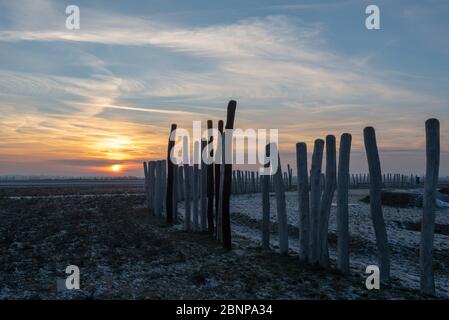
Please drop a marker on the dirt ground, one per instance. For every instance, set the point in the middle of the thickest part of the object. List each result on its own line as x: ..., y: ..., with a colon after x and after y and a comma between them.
x: 125, y: 253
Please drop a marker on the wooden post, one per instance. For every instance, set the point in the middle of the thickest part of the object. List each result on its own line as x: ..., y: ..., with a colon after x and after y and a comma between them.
x: 266, y: 203
x: 257, y: 182
x: 157, y: 191
x: 147, y: 182
x: 170, y: 181
x: 151, y: 185
x: 253, y: 182
x: 303, y: 200
x: 289, y: 173
x: 225, y: 192
x: 195, y: 185
x: 342, y: 203
x: 376, y: 203
x: 210, y: 182
x: 161, y: 192
x: 326, y: 201
x: 175, y: 192
x: 187, y: 196
x: 281, y: 208
x: 428, y: 217
x: 163, y: 187
x: 240, y: 181
x: 181, y: 182
x: 203, y: 188
x: 219, y: 231
x: 315, y: 197
x: 245, y: 184
x: 217, y: 173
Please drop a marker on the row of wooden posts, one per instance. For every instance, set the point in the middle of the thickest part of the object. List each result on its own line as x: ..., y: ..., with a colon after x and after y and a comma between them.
x: 388, y: 180
x: 314, y: 203
x: 204, y: 188
x: 208, y: 188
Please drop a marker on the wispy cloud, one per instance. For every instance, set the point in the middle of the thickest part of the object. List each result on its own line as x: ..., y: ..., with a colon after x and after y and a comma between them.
x: 281, y: 70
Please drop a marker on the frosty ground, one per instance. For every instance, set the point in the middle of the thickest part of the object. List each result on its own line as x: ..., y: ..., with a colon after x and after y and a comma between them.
x: 124, y: 252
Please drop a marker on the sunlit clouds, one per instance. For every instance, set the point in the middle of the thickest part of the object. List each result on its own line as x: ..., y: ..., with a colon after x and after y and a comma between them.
x: 100, y: 100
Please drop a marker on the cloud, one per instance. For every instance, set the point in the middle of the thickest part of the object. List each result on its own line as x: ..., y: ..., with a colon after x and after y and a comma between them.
x: 280, y: 70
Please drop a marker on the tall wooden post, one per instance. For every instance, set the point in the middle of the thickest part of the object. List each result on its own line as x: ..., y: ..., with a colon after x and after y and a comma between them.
x: 195, y: 185
x: 326, y: 201
x: 176, y: 192
x: 181, y: 182
x: 303, y: 200
x: 151, y: 184
x: 342, y: 203
x: 290, y: 177
x: 210, y: 182
x: 315, y: 199
x: 217, y: 171
x: 281, y: 208
x: 257, y: 182
x: 187, y: 196
x: 225, y: 194
x: 253, y: 182
x: 163, y: 186
x: 203, y: 188
x: 147, y: 183
x: 376, y: 202
x: 266, y: 203
x: 428, y: 217
x: 170, y: 181
x: 157, y: 191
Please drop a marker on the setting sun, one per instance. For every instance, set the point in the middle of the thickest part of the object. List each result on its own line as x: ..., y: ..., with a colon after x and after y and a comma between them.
x: 116, y: 168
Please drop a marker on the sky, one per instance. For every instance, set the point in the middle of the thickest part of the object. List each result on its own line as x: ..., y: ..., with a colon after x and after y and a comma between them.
x: 77, y: 102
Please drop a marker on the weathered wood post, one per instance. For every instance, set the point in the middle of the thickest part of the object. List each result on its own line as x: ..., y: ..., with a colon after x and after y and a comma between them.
x: 161, y: 192
x: 170, y: 178
x: 226, y: 190
x: 285, y: 180
x: 157, y: 191
x: 244, y: 182
x: 147, y: 182
x: 210, y: 181
x: 181, y: 182
x: 257, y: 182
x: 375, y: 202
x: 217, y: 172
x: 428, y: 217
x: 303, y: 200
x: 163, y: 186
x: 219, y: 231
x: 326, y: 200
x: 175, y: 192
x: 241, y: 182
x: 342, y: 203
x: 281, y: 207
x: 253, y: 182
x: 195, y: 185
x: 151, y: 184
x: 203, y: 187
x: 266, y: 202
x: 187, y: 197
x: 315, y: 197
x: 290, y: 174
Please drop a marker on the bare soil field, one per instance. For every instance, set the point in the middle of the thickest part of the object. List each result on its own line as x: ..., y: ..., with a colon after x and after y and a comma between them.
x: 125, y: 253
